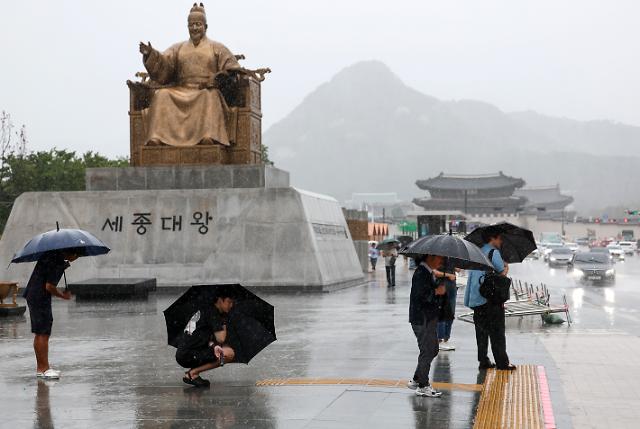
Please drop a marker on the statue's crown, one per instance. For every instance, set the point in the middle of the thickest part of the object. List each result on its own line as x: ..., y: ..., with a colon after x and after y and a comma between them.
x: 196, y: 8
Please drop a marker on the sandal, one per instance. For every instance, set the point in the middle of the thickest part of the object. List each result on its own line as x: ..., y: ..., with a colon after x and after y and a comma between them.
x: 197, y: 382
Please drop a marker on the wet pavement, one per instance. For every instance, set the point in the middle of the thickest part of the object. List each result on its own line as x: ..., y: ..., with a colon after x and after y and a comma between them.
x: 598, y: 357
x: 119, y: 372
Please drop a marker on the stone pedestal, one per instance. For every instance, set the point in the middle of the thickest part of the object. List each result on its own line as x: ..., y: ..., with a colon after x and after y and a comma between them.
x: 255, y: 230
x: 186, y: 177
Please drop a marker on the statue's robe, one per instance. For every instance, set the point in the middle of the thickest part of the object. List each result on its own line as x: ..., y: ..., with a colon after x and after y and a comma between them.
x: 183, y: 114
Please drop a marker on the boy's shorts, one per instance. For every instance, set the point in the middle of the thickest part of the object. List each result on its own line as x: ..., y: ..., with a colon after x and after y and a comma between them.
x: 41, y: 318
x: 193, y: 358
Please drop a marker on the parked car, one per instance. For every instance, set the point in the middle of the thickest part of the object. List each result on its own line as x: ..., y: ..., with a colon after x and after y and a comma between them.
x: 629, y: 247
x: 548, y: 248
x: 560, y: 256
x: 573, y: 246
x: 616, y: 251
x: 593, y: 266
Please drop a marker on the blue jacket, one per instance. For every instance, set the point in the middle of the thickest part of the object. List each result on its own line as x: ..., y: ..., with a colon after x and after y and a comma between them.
x: 472, y: 297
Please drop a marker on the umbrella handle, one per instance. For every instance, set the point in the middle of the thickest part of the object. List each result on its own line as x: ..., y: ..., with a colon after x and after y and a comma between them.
x: 65, y: 281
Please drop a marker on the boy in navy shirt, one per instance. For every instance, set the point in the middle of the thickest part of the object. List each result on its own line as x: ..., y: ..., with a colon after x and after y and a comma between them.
x: 42, y: 284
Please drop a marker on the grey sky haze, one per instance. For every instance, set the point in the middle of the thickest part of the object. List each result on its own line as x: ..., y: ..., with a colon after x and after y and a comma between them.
x: 65, y: 63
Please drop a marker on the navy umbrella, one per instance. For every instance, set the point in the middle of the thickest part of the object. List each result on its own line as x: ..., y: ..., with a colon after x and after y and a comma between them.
x: 82, y: 242
x: 250, y: 326
x: 517, y: 242
x: 460, y: 253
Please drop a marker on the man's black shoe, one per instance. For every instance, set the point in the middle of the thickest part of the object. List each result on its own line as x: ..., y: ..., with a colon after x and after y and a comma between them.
x: 486, y: 365
x: 507, y: 368
x: 197, y: 382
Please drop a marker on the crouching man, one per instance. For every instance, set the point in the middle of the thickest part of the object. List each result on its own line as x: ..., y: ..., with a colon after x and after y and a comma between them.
x: 203, y: 345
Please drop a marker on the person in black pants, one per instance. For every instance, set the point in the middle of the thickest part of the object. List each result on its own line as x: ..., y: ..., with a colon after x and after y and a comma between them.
x: 390, y: 256
x: 424, y: 308
x: 204, y: 343
x: 488, y: 317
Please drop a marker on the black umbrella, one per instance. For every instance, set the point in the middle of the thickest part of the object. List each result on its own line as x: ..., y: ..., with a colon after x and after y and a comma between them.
x: 460, y: 253
x: 404, y: 239
x: 517, y: 242
x: 250, y: 326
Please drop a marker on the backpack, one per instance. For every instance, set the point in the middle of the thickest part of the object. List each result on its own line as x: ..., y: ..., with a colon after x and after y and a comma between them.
x: 495, y: 287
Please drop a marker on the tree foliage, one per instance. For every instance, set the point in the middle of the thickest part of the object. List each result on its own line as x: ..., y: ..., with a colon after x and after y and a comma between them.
x: 52, y: 170
x: 264, y: 155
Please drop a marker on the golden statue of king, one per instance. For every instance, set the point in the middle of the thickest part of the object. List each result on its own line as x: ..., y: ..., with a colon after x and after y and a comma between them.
x: 187, y: 108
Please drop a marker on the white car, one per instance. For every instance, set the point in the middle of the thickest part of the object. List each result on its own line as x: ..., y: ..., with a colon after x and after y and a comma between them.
x: 560, y: 256
x: 573, y: 246
x: 629, y: 247
x: 616, y: 251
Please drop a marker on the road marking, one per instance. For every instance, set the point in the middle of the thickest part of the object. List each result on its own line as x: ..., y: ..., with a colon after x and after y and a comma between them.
x: 373, y: 382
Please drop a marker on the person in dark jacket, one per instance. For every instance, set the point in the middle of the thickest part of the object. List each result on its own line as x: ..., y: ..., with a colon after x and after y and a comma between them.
x: 444, y: 326
x: 424, y: 309
x: 204, y: 344
x: 41, y: 286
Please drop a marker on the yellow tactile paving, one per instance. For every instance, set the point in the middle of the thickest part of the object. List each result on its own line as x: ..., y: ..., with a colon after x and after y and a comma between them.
x: 361, y: 382
x: 510, y: 399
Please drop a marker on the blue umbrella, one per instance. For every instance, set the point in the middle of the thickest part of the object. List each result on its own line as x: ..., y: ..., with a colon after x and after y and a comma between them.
x: 82, y: 242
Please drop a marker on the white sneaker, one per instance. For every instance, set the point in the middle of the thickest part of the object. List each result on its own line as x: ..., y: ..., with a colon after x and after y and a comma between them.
x: 412, y: 384
x: 428, y: 391
x: 446, y: 347
x: 50, y: 374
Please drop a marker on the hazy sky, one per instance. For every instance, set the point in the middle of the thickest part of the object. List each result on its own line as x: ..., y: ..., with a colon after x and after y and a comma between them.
x: 64, y: 63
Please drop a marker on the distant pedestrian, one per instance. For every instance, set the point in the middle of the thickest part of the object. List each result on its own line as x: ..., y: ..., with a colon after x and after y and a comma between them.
x: 204, y: 342
x: 373, y: 256
x: 444, y: 326
x: 390, y: 256
x: 41, y: 286
x: 488, y: 317
x: 424, y: 309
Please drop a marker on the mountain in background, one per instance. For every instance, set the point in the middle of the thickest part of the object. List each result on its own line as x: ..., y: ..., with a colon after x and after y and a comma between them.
x: 366, y: 131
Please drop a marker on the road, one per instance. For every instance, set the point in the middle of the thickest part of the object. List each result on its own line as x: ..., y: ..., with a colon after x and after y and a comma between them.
x: 613, y: 305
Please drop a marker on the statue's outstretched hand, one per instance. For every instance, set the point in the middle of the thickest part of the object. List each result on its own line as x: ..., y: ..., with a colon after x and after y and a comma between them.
x: 145, y: 49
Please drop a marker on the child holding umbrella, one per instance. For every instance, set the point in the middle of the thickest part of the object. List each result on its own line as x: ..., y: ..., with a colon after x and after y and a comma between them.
x: 41, y: 286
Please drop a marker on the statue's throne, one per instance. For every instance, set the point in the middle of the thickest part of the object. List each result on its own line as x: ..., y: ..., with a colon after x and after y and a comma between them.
x: 244, y: 126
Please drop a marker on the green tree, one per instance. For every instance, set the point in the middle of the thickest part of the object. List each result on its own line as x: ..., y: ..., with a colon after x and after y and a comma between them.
x: 53, y: 170
x: 264, y: 155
